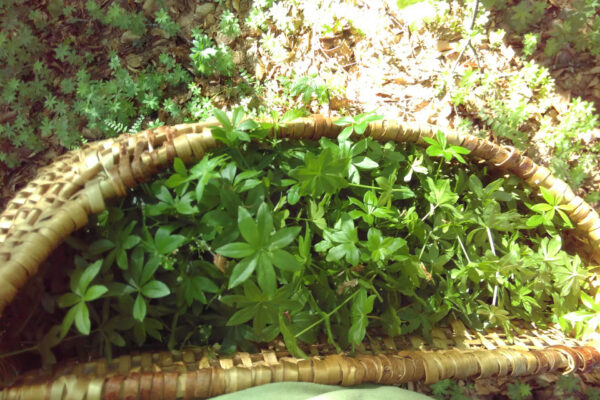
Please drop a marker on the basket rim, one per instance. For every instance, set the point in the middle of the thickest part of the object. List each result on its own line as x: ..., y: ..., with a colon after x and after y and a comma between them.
x: 62, y: 196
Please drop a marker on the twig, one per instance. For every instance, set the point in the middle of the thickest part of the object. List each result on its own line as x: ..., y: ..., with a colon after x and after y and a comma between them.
x: 475, y: 11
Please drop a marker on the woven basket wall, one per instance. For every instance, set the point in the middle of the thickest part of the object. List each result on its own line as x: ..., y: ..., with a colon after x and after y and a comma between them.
x: 60, y: 199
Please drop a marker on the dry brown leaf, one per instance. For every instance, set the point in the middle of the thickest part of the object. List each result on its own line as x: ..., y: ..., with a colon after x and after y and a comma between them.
x: 546, y: 379
x: 133, y: 61
x: 593, y: 71
x: 444, y: 45
x: 484, y: 387
x: 129, y: 37
x: 259, y: 71
x: 221, y: 262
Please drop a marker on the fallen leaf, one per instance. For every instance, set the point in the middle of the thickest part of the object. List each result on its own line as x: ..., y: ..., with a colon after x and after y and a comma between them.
x: 593, y: 71
x: 133, y: 60
x: 259, y: 72
x: 129, y: 37
x: 443, y: 45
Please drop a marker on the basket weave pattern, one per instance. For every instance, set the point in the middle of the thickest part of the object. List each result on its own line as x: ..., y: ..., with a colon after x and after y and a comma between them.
x: 60, y: 199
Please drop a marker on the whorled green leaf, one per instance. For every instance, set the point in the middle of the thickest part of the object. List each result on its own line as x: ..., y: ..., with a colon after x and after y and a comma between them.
x: 242, y: 271
x: 155, y: 289
x: 139, y: 308
x: 321, y: 174
x: 285, y: 261
x: 236, y: 250
x: 362, y: 306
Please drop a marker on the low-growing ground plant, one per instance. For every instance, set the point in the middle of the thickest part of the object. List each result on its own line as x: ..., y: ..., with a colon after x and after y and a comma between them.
x: 578, y: 27
x: 42, y: 104
x: 518, y: 115
x: 229, y: 25
x: 209, y: 58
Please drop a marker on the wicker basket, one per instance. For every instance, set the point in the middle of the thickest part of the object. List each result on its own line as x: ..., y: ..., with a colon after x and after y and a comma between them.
x: 60, y: 199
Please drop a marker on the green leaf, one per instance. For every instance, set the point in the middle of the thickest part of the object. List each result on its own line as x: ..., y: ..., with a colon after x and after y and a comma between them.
x: 361, y: 307
x: 434, y: 150
x: 264, y: 223
x: 460, y: 150
x: 365, y: 163
x: 285, y: 261
x: 165, y: 242
x: 535, y: 220
x: 236, y: 250
x: 248, y: 227
x: 554, y: 246
x: 284, y: 237
x: 292, y: 114
x: 344, y: 121
x: 518, y: 391
x: 67, y: 322
x: 179, y: 167
x: 202, y: 283
x: 44, y: 346
x: 441, y: 139
x: 243, y: 315
x: 137, y: 264
x: 82, y: 318
x: 293, y: 195
x: 222, y: 117
x: 130, y: 242
x: 242, y: 271
x: 290, y: 339
x: 237, y: 116
x: 542, y: 207
x: 88, y: 275
x: 139, y: 308
x: 320, y: 174
x: 361, y: 127
x: 431, y: 141
x: 548, y: 196
x: 101, y: 246
x: 68, y: 299
x: 265, y: 275
x: 569, y: 276
x: 121, y: 257
x: 565, y: 219
x: 345, y: 133
x: 95, y: 292
x: 148, y: 270
x: 155, y: 289
x: 476, y: 186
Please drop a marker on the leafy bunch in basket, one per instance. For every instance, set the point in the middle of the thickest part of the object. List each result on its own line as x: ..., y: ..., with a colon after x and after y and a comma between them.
x: 336, y: 241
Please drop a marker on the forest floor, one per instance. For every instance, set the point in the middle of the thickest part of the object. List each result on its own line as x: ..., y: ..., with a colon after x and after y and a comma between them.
x: 370, y: 59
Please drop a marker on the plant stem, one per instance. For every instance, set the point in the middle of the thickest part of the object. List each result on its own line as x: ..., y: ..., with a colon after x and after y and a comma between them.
x: 329, y: 314
x: 462, y: 246
x: 468, y: 44
x: 431, y: 210
x: 495, y: 295
x: 439, y: 168
x: 34, y: 348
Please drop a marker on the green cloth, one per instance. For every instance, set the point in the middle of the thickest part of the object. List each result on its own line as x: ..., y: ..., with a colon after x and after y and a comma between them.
x: 315, y: 391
